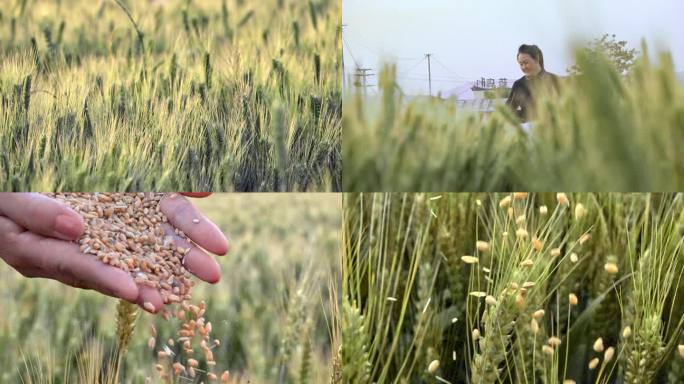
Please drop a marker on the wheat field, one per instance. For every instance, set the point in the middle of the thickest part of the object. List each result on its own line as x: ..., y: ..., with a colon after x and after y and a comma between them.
x: 273, y: 310
x: 121, y: 95
x: 513, y: 288
x: 602, y: 132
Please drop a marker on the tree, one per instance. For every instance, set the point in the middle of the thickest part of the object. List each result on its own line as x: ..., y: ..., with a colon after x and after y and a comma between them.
x: 615, y: 51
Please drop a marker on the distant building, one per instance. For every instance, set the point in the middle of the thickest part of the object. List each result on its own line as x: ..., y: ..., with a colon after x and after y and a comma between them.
x: 490, y: 88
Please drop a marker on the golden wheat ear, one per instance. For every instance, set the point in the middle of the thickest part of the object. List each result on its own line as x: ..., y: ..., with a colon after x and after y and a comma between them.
x: 126, y: 314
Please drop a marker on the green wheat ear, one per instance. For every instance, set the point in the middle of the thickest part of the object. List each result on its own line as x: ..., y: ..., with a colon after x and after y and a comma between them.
x: 126, y: 314
x: 305, y: 370
x: 355, y: 358
x: 207, y: 70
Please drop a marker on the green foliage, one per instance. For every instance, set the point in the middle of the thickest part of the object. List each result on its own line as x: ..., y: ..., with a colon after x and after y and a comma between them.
x: 163, y: 110
x: 616, y: 51
x: 604, y: 132
x: 355, y: 360
x: 514, y: 320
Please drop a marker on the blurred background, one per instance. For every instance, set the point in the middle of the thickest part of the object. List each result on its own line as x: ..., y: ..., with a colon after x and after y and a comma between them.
x: 271, y: 310
x: 472, y: 45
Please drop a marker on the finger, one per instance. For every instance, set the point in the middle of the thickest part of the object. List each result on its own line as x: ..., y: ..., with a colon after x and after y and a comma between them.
x: 184, y: 216
x: 196, y: 194
x: 64, y: 279
x: 64, y: 261
x: 150, y: 299
x: 202, y: 265
x: 196, y: 261
x: 42, y: 215
x: 9, y: 234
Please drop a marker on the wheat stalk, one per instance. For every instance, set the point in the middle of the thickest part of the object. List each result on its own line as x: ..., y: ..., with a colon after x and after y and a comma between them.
x: 126, y: 315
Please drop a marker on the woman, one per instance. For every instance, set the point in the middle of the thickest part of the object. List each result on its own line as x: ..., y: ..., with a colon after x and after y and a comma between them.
x: 531, y: 61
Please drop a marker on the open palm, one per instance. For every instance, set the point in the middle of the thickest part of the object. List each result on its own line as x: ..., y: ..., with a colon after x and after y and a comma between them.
x: 37, y: 237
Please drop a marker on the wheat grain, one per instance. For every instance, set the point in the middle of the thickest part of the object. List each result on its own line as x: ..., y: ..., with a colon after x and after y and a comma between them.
x: 126, y: 231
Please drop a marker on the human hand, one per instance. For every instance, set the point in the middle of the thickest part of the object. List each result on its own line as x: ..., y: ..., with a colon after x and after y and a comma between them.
x: 37, y: 237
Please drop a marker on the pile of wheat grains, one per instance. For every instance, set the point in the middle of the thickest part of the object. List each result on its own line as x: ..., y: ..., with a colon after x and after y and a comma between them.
x: 130, y: 232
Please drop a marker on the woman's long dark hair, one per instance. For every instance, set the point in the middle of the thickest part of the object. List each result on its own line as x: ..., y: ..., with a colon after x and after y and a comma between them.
x: 533, y: 51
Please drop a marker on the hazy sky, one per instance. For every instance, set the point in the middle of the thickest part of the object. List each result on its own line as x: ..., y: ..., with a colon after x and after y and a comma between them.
x: 472, y: 39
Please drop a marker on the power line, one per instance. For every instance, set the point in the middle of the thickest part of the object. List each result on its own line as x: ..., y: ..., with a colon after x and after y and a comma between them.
x: 356, y: 37
x: 414, y: 67
x: 441, y: 80
x: 361, y: 76
x: 369, y: 49
x: 413, y: 59
x: 447, y: 69
x: 452, y: 79
x: 344, y: 73
x: 407, y: 58
x: 462, y: 92
x: 344, y: 41
x: 429, y: 74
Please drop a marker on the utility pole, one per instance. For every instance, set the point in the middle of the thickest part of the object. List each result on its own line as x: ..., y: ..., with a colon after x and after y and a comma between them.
x: 360, y: 77
x: 344, y: 74
x: 429, y: 73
